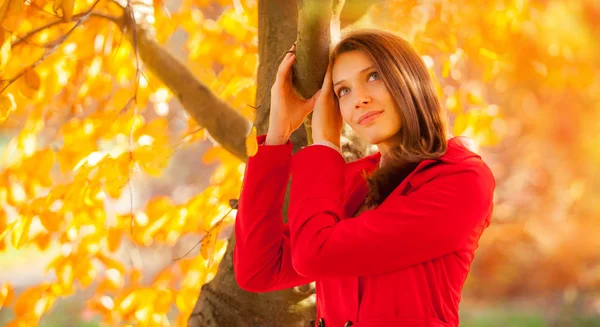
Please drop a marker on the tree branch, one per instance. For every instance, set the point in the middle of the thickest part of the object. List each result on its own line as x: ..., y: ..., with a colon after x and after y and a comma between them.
x: 226, y: 125
x: 77, y: 18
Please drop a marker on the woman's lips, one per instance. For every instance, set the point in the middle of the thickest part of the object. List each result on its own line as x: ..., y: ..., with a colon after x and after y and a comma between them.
x: 370, y: 118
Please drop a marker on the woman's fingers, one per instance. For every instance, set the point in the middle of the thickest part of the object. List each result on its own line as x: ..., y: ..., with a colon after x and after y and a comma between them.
x: 327, y: 80
x: 286, y: 63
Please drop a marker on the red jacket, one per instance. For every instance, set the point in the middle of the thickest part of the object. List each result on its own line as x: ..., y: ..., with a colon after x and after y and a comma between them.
x: 412, y: 253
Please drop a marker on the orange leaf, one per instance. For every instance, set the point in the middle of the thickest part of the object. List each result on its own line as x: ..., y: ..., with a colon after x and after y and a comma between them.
x: 67, y: 6
x: 251, y: 144
x: 102, y: 304
x: 207, y: 248
x: 114, y: 239
x: 110, y: 263
x: 6, y: 295
x: 3, y: 7
x: 42, y: 240
x: 51, y: 221
x: 135, y: 277
x: 14, y: 14
x: 30, y: 83
x: 26, y: 302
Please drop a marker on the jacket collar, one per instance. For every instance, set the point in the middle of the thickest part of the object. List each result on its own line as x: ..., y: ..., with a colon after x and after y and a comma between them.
x: 459, y: 149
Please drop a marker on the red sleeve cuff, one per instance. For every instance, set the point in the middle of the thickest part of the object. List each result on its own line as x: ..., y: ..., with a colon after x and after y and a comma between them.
x: 269, y: 171
x: 317, y: 172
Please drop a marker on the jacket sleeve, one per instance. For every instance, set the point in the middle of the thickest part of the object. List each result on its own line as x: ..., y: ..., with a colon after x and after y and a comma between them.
x: 444, y: 215
x: 262, y: 253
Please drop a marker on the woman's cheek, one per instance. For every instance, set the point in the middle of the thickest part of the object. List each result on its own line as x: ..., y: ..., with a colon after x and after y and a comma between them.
x: 346, y: 114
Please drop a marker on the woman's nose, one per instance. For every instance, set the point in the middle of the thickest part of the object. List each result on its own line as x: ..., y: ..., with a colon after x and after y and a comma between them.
x: 361, y: 97
x: 361, y: 100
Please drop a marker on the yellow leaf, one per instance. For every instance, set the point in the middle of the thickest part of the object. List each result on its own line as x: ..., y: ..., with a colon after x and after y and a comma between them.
x: 64, y: 273
x: 85, y: 272
x: 488, y: 54
x: 153, y: 227
x: 20, y: 233
x: 474, y: 99
x: 6, y: 295
x: 207, y: 248
x: 5, y: 47
x: 446, y: 68
x: 128, y: 304
x: 143, y: 312
x: 118, y: 175
x: 4, y: 227
x: 7, y: 105
x: 251, y: 143
x: 185, y: 300
x: 460, y: 124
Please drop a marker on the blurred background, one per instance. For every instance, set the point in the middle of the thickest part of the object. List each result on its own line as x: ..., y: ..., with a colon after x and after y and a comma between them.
x: 104, y: 174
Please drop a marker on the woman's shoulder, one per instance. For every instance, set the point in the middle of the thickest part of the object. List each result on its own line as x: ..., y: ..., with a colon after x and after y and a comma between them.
x: 460, y: 157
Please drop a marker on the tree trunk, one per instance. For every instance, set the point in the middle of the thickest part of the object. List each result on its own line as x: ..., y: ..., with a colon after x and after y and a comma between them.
x: 222, y: 302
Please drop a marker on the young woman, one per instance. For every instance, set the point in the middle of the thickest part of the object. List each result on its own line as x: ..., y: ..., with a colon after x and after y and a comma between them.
x: 389, y: 238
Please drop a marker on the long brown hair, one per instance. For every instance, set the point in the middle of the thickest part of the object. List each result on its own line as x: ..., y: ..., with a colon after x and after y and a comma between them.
x: 424, y: 122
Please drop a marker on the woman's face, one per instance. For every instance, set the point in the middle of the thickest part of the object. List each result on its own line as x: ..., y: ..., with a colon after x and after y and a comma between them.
x: 360, y: 90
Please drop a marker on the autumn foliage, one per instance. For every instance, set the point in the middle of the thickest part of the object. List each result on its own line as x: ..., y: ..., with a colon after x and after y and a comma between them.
x: 88, y: 126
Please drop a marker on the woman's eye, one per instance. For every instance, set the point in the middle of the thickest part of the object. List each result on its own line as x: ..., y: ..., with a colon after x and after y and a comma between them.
x: 341, y: 91
x: 376, y: 74
x: 372, y: 76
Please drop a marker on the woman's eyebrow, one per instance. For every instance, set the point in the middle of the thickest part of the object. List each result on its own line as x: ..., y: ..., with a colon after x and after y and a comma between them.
x: 340, y: 81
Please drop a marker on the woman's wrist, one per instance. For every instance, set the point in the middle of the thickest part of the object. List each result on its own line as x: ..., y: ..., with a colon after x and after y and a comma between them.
x: 329, y: 144
x: 332, y: 140
x: 276, y: 138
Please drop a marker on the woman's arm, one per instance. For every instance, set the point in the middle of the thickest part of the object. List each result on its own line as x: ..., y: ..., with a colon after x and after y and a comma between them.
x: 262, y: 254
x: 445, y: 215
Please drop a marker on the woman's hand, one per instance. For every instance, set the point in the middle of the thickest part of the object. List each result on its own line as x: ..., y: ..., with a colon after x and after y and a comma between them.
x: 327, y: 120
x: 288, y: 110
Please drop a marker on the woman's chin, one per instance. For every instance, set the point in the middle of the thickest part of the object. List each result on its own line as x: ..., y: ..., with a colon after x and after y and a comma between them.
x: 374, y: 138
